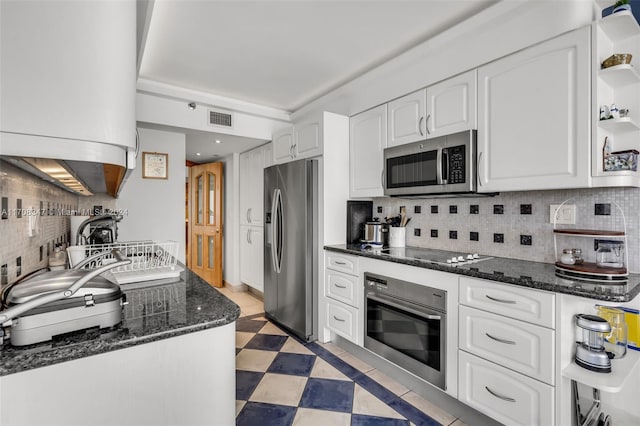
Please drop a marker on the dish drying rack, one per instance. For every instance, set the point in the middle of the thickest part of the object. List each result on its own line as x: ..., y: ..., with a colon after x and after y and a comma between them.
x: 150, y: 260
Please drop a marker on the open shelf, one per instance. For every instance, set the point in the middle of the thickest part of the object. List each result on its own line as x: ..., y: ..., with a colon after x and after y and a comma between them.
x: 589, y: 233
x: 625, y: 124
x: 592, y: 268
x: 621, y: 370
x: 620, y: 26
x: 619, y: 75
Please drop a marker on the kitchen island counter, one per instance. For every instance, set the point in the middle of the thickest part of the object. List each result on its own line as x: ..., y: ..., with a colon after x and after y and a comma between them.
x: 154, y: 311
x: 171, y: 361
x: 535, y: 275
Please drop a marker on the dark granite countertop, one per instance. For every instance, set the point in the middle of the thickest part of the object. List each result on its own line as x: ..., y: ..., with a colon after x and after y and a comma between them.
x: 535, y: 275
x: 156, y: 310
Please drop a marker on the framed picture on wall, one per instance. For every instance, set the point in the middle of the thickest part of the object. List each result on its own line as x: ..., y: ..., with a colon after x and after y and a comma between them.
x: 155, y: 165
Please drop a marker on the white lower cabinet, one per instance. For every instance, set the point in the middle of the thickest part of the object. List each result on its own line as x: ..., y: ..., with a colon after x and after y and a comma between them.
x: 524, y: 347
x: 342, y: 291
x: 508, y: 397
x: 252, y: 256
x: 507, y: 351
x: 343, y: 320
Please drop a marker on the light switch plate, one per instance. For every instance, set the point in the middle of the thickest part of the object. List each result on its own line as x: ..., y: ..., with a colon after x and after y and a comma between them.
x: 566, y: 215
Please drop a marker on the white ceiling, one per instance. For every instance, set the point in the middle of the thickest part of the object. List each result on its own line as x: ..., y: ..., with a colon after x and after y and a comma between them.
x: 283, y: 54
x: 204, y: 143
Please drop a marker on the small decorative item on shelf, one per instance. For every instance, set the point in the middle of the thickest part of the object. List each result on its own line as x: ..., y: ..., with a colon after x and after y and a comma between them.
x: 621, y: 6
x: 624, y: 112
x: 621, y: 160
x: 615, y: 112
x: 617, y: 59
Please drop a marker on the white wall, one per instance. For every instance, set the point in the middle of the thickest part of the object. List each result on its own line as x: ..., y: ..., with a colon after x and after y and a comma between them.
x: 156, y: 207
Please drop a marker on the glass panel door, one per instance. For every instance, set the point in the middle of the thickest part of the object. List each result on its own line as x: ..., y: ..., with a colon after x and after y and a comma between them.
x: 211, y: 196
x: 200, y: 200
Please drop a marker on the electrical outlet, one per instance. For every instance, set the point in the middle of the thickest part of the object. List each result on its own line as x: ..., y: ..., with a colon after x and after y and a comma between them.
x: 566, y: 215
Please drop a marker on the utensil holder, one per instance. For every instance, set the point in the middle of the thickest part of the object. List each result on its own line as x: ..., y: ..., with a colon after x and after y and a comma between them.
x: 397, y: 236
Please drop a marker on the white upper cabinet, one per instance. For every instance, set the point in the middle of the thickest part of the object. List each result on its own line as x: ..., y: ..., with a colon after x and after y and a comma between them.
x: 367, y: 140
x: 68, y: 79
x: 303, y: 140
x: 283, y: 146
x: 534, y: 117
x: 406, y: 117
x: 451, y: 105
x: 308, y: 138
x: 252, y: 164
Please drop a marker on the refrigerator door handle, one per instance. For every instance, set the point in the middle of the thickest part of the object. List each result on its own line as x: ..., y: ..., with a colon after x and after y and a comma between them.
x: 276, y: 231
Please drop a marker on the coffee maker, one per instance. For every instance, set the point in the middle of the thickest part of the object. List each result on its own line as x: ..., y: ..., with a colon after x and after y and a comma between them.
x: 358, y: 214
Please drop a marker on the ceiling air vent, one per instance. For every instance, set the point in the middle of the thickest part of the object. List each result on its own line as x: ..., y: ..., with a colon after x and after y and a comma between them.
x: 223, y: 119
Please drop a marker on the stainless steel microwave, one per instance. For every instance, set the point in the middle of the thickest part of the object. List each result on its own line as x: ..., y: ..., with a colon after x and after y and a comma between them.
x: 444, y: 165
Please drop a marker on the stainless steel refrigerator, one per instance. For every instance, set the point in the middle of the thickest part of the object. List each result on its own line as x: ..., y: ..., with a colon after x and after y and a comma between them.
x: 290, y: 248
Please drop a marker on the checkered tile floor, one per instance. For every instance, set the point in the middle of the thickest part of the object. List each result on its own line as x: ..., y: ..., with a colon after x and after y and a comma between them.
x: 281, y: 380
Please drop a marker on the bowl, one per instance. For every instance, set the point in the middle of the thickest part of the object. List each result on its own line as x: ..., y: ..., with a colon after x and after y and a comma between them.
x: 617, y: 59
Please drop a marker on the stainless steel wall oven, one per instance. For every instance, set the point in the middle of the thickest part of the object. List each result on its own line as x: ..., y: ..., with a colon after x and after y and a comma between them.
x: 405, y: 323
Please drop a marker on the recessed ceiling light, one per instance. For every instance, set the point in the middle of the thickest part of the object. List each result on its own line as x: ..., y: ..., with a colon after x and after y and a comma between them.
x: 197, y: 153
x: 217, y: 141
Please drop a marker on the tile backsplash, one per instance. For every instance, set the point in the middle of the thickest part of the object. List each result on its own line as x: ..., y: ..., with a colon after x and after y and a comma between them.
x: 516, y: 224
x: 27, y: 199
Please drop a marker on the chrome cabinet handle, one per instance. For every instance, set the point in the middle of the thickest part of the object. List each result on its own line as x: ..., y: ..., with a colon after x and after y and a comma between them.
x: 249, y: 215
x: 497, y: 339
x: 291, y: 151
x: 337, y: 262
x: 295, y: 147
x: 420, y: 126
x: 338, y: 319
x: 504, y: 398
x: 478, y: 168
x: 249, y: 236
x: 426, y: 124
x: 339, y: 286
x: 512, y: 302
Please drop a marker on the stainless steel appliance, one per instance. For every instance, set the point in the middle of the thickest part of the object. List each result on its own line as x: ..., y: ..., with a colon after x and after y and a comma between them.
x: 290, y: 248
x: 439, y: 166
x: 58, y: 302
x: 405, y: 323
x: 590, y: 350
x: 376, y: 233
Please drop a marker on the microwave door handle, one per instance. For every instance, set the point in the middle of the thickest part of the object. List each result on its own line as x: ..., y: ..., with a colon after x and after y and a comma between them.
x: 445, y: 165
x: 439, y: 167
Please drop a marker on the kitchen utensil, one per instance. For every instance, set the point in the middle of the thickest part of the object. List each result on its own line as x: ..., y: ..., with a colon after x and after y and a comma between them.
x: 59, y: 302
x: 397, y: 236
x: 610, y: 254
x: 615, y: 342
x: 590, y: 350
x: 376, y: 232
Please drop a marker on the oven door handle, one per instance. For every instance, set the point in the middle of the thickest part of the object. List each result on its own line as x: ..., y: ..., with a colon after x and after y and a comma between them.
x: 404, y: 307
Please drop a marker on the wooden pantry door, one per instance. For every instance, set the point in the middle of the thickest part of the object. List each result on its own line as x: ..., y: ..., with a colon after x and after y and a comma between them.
x: 205, y: 221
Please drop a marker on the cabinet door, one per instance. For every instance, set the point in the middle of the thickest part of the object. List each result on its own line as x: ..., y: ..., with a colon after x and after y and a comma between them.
x: 534, y: 117
x: 283, y: 146
x: 451, y: 105
x: 308, y: 139
x: 257, y: 177
x: 367, y: 140
x: 245, y: 187
x: 68, y: 73
x: 502, y: 394
x: 406, y: 119
x: 251, y: 257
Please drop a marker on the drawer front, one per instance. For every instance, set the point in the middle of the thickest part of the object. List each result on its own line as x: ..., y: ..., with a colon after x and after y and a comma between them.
x: 536, y: 307
x: 342, y: 287
x: 343, y: 320
x: 343, y: 263
x: 502, y: 394
x: 526, y: 348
